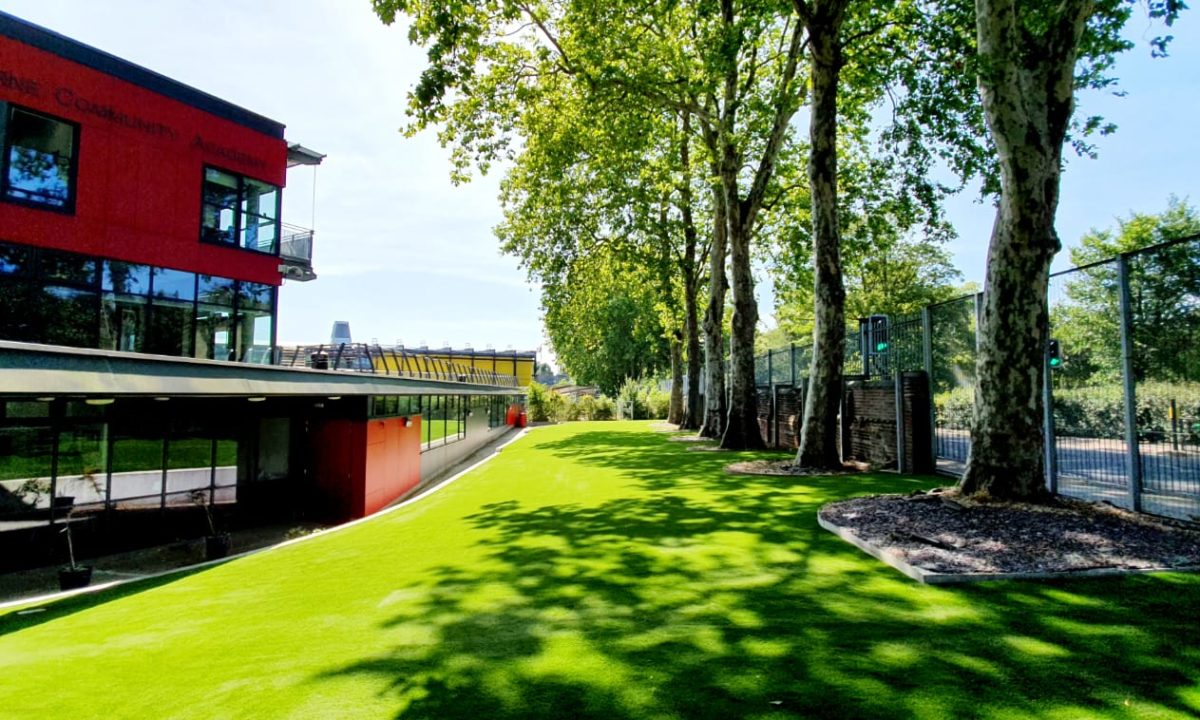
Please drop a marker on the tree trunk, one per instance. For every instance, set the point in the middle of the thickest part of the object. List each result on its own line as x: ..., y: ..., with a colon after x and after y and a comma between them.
x: 694, y: 414
x: 675, y: 408
x: 716, y: 404
x: 741, y: 427
x: 819, y: 433
x: 1027, y: 82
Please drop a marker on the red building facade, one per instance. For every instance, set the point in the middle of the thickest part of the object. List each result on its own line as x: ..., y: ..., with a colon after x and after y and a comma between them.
x: 136, y: 213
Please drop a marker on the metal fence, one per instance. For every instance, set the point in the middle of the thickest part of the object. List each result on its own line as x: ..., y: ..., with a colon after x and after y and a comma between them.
x: 1124, y: 395
x: 395, y: 361
x: 1124, y: 390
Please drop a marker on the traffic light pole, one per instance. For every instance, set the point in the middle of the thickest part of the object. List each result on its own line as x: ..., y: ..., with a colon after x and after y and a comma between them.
x: 1051, y: 444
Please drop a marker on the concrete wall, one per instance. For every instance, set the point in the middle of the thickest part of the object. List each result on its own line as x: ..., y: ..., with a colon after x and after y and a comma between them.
x: 439, y: 459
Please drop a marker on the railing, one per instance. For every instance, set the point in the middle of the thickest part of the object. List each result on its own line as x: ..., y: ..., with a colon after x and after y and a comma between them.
x: 296, y: 244
x: 391, y: 361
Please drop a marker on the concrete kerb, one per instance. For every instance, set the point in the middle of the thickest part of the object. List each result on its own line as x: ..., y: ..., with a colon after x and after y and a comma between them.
x: 930, y: 577
x: 434, y: 488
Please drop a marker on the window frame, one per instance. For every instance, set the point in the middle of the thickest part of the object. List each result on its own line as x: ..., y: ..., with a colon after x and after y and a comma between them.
x: 238, y: 213
x: 68, y: 207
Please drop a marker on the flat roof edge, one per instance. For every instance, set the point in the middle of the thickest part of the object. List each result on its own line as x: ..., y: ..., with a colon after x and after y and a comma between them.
x: 49, y: 41
x: 32, y: 369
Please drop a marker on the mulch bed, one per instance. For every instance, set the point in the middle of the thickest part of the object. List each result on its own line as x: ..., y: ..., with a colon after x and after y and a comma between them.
x: 786, y: 467
x: 939, y: 532
x: 690, y: 438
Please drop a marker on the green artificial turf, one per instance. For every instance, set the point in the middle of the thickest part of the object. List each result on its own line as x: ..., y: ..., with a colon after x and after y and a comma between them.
x: 598, y: 570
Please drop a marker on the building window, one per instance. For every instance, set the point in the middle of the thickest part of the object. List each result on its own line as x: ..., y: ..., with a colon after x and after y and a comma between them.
x: 39, y: 159
x: 240, y: 211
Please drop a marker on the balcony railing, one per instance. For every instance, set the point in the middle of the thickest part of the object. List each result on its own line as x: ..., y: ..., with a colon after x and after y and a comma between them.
x: 295, y: 253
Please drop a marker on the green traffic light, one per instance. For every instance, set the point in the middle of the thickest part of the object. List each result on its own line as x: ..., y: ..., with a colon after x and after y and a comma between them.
x: 1055, y: 362
x: 880, y: 347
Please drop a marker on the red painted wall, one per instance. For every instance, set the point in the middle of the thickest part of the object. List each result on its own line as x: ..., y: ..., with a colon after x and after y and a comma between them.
x: 362, y: 466
x: 393, y: 461
x: 137, y: 188
x: 339, y: 468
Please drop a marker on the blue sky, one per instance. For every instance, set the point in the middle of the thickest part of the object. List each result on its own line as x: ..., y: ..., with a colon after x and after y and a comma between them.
x: 405, y: 255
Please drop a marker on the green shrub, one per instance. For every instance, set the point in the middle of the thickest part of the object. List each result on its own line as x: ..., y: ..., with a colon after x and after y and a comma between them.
x: 572, y: 410
x: 1096, y: 412
x: 658, y: 404
x: 642, y: 400
x: 605, y: 409
x: 537, y: 402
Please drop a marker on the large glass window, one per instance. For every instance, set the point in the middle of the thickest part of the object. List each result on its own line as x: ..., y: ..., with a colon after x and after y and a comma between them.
x: 239, y: 211
x: 39, y: 159
x: 123, y: 306
x: 214, y: 317
x: 16, y: 287
x: 260, y: 215
x: 173, y: 304
x: 48, y: 296
x: 139, y: 434
x: 82, y: 455
x: 26, y: 460
x: 66, y: 308
x: 256, y: 322
x: 68, y: 316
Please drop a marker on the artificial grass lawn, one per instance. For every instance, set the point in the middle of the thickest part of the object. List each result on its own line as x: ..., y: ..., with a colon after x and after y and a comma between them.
x: 598, y: 570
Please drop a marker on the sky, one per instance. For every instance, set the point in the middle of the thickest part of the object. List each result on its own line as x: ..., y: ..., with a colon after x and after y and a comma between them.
x: 406, y: 256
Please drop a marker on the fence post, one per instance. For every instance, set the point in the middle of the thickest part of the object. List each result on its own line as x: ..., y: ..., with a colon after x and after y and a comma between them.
x: 899, y: 421
x: 770, y: 369
x: 792, y: 362
x: 927, y: 351
x: 1051, y: 445
x: 1132, y: 456
x: 978, y: 317
x: 774, y: 416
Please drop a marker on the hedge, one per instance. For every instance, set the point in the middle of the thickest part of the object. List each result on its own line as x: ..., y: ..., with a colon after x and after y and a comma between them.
x: 1097, y: 412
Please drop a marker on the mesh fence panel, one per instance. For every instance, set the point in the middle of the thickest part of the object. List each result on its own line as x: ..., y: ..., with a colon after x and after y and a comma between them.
x: 1164, y: 308
x: 1088, y: 400
x: 953, y: 327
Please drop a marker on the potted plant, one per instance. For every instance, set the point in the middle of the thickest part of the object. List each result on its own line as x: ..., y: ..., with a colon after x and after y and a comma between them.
x: 74, y: 575
x: 216, y: 545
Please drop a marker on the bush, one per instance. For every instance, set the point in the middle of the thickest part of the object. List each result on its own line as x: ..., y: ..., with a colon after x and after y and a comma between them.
x: 1096, y: 412
x: 604, y: 409
x: 642, y: 400
x: 537, y: 402
x: 545, y: 405
x: 658, y: 405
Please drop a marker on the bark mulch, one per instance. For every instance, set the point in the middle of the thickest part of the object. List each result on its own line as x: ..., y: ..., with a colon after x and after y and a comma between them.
x: 787, y: 467
x: 939, y: 532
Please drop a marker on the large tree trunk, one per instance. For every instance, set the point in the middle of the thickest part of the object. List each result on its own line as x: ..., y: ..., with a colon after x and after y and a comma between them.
x: 1027, y: 82
x: 715, y: 400
x: 741, y: 427
x: 819, y: 434
x: 675, y: 408
x: 693, y: 412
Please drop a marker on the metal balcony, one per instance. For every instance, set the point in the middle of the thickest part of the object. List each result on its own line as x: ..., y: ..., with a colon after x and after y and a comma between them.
x: 295, y: 253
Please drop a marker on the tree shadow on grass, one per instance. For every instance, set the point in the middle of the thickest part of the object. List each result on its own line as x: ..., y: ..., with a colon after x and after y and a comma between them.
x: 719, y: 596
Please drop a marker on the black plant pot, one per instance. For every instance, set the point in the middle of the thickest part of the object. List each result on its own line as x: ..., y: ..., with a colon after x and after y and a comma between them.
x: 216, y: 546
x: 71, y: 578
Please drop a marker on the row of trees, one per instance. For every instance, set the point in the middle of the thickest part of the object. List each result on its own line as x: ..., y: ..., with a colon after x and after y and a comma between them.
x: 653, y: 150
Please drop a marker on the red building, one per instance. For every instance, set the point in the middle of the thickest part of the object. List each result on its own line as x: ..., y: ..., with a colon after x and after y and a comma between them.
x: 136, y: 213
x: 140, y: 218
